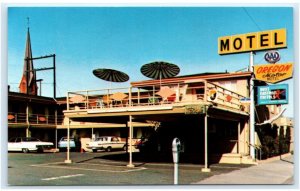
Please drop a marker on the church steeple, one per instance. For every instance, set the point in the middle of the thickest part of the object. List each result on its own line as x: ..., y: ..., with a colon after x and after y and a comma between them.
x: 29, y: 75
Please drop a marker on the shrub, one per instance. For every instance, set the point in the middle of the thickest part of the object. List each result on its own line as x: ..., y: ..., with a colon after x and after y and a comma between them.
x: 272, y: 143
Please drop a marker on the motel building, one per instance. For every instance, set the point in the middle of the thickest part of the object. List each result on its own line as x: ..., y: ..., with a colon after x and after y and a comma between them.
x: 206, y: 111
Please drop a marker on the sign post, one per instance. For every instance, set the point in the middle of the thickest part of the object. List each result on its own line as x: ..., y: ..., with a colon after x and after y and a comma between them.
x: 252, y: 105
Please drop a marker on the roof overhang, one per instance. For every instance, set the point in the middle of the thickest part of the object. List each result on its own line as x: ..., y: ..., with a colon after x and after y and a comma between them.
x: 185, y: 79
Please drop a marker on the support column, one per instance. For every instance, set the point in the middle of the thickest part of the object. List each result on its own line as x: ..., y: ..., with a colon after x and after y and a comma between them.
x: 92, y: 133
x: 205, y: 169
x: 56, y: 139
x: 239, y: 136
x: 130, y: 143
x: 54, y: 77
x: 55, y: 113
x: 68, y: 147
x: 28, y: 134
x: 252, y: 118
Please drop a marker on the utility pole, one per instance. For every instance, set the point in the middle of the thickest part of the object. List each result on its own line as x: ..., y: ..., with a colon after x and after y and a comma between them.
x: 40, y: 80
x: 49, y: 68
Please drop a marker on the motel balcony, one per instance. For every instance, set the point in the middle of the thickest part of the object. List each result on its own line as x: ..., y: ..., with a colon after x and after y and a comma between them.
x: 22, y: 119
x: 189, y: 95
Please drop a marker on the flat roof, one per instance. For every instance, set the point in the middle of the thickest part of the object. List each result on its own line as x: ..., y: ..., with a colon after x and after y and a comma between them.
x: 204, y: 76
x: 32, y: 98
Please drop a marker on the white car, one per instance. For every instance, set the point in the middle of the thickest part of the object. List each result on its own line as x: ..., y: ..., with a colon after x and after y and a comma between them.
x: 27, y: 144
x: 63, y: 143
x: 107, y: 143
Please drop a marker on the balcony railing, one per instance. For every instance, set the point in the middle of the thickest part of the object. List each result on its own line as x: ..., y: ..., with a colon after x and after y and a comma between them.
x: 22, y: 118
x: 154, y: 95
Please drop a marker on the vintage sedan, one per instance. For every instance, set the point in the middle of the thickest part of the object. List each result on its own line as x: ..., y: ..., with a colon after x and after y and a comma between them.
x: 107, y: 143
x: 63, y: 143
x: 28, y: 144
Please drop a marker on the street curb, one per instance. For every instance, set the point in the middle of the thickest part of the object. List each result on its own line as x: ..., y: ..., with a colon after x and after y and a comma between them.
x: 274, y: 158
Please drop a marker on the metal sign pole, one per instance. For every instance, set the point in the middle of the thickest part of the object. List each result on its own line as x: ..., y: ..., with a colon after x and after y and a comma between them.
x: 252, y: 105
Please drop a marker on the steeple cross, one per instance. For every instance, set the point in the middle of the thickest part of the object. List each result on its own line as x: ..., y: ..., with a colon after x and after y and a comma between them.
x: 28, y: 22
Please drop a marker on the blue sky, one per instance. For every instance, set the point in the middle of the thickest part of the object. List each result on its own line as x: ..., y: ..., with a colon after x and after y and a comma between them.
x: 125, y: 38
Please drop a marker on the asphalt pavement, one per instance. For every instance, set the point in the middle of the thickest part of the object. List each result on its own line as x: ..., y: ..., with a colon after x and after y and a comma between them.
x: 279, y: 170
x: 91, y: 169
x: 101, y: 169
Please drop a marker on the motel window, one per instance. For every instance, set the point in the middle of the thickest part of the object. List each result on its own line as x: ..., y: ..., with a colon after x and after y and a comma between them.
x: 18, y: 140
x: 12, y: 139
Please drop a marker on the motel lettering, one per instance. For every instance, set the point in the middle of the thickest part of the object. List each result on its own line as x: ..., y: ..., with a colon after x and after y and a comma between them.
x: 273, y: 68
x: 264, y: 40
x: 273, y: 73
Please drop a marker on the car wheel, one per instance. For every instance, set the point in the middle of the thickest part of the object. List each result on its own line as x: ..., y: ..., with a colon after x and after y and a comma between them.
x: 94, y: 150
x: 25, y: 150
x: 40, y: 150
x: 108, y: 149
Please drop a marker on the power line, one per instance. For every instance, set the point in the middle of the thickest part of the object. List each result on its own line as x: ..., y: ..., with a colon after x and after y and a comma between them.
x: 251, y: 18
x: 19, y: 83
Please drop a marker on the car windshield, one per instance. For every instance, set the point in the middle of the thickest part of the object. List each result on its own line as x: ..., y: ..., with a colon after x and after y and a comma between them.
x: 114, y: 139
x: 12, y: 139
x: 29, y: 139
x: 66, y: 139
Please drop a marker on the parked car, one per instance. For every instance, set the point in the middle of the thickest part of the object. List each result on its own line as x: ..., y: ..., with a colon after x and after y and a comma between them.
x: 141, y: 143
x: 148, y: 145
x: 28, y: 144
x: 107, y: 143
x: 63, y: 143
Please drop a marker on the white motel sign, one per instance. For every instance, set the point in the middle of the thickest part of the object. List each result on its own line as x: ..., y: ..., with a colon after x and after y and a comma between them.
x: 264, y: 40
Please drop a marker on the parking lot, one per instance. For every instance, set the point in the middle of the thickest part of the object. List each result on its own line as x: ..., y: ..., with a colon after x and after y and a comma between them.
x: 101, y: 168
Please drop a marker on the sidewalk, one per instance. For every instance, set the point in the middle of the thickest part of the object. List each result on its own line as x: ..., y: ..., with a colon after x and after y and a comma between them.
x: 272, y: 171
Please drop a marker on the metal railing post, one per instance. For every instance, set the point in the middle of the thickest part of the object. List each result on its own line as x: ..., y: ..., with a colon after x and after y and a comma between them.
x: 205, y: 90
x: 55, y: 117
x: 259, y: 153
x: 86, y: 100
x: 68, y: 106
x: 138, y: 96
x: 153, y: 95
x: 130, y: 96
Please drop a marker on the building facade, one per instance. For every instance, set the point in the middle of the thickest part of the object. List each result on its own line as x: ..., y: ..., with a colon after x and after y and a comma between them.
x: 206, y: 111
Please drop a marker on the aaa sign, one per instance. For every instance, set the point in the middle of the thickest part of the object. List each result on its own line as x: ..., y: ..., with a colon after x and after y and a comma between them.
x: 273, y: 73
x: 264, y: 40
